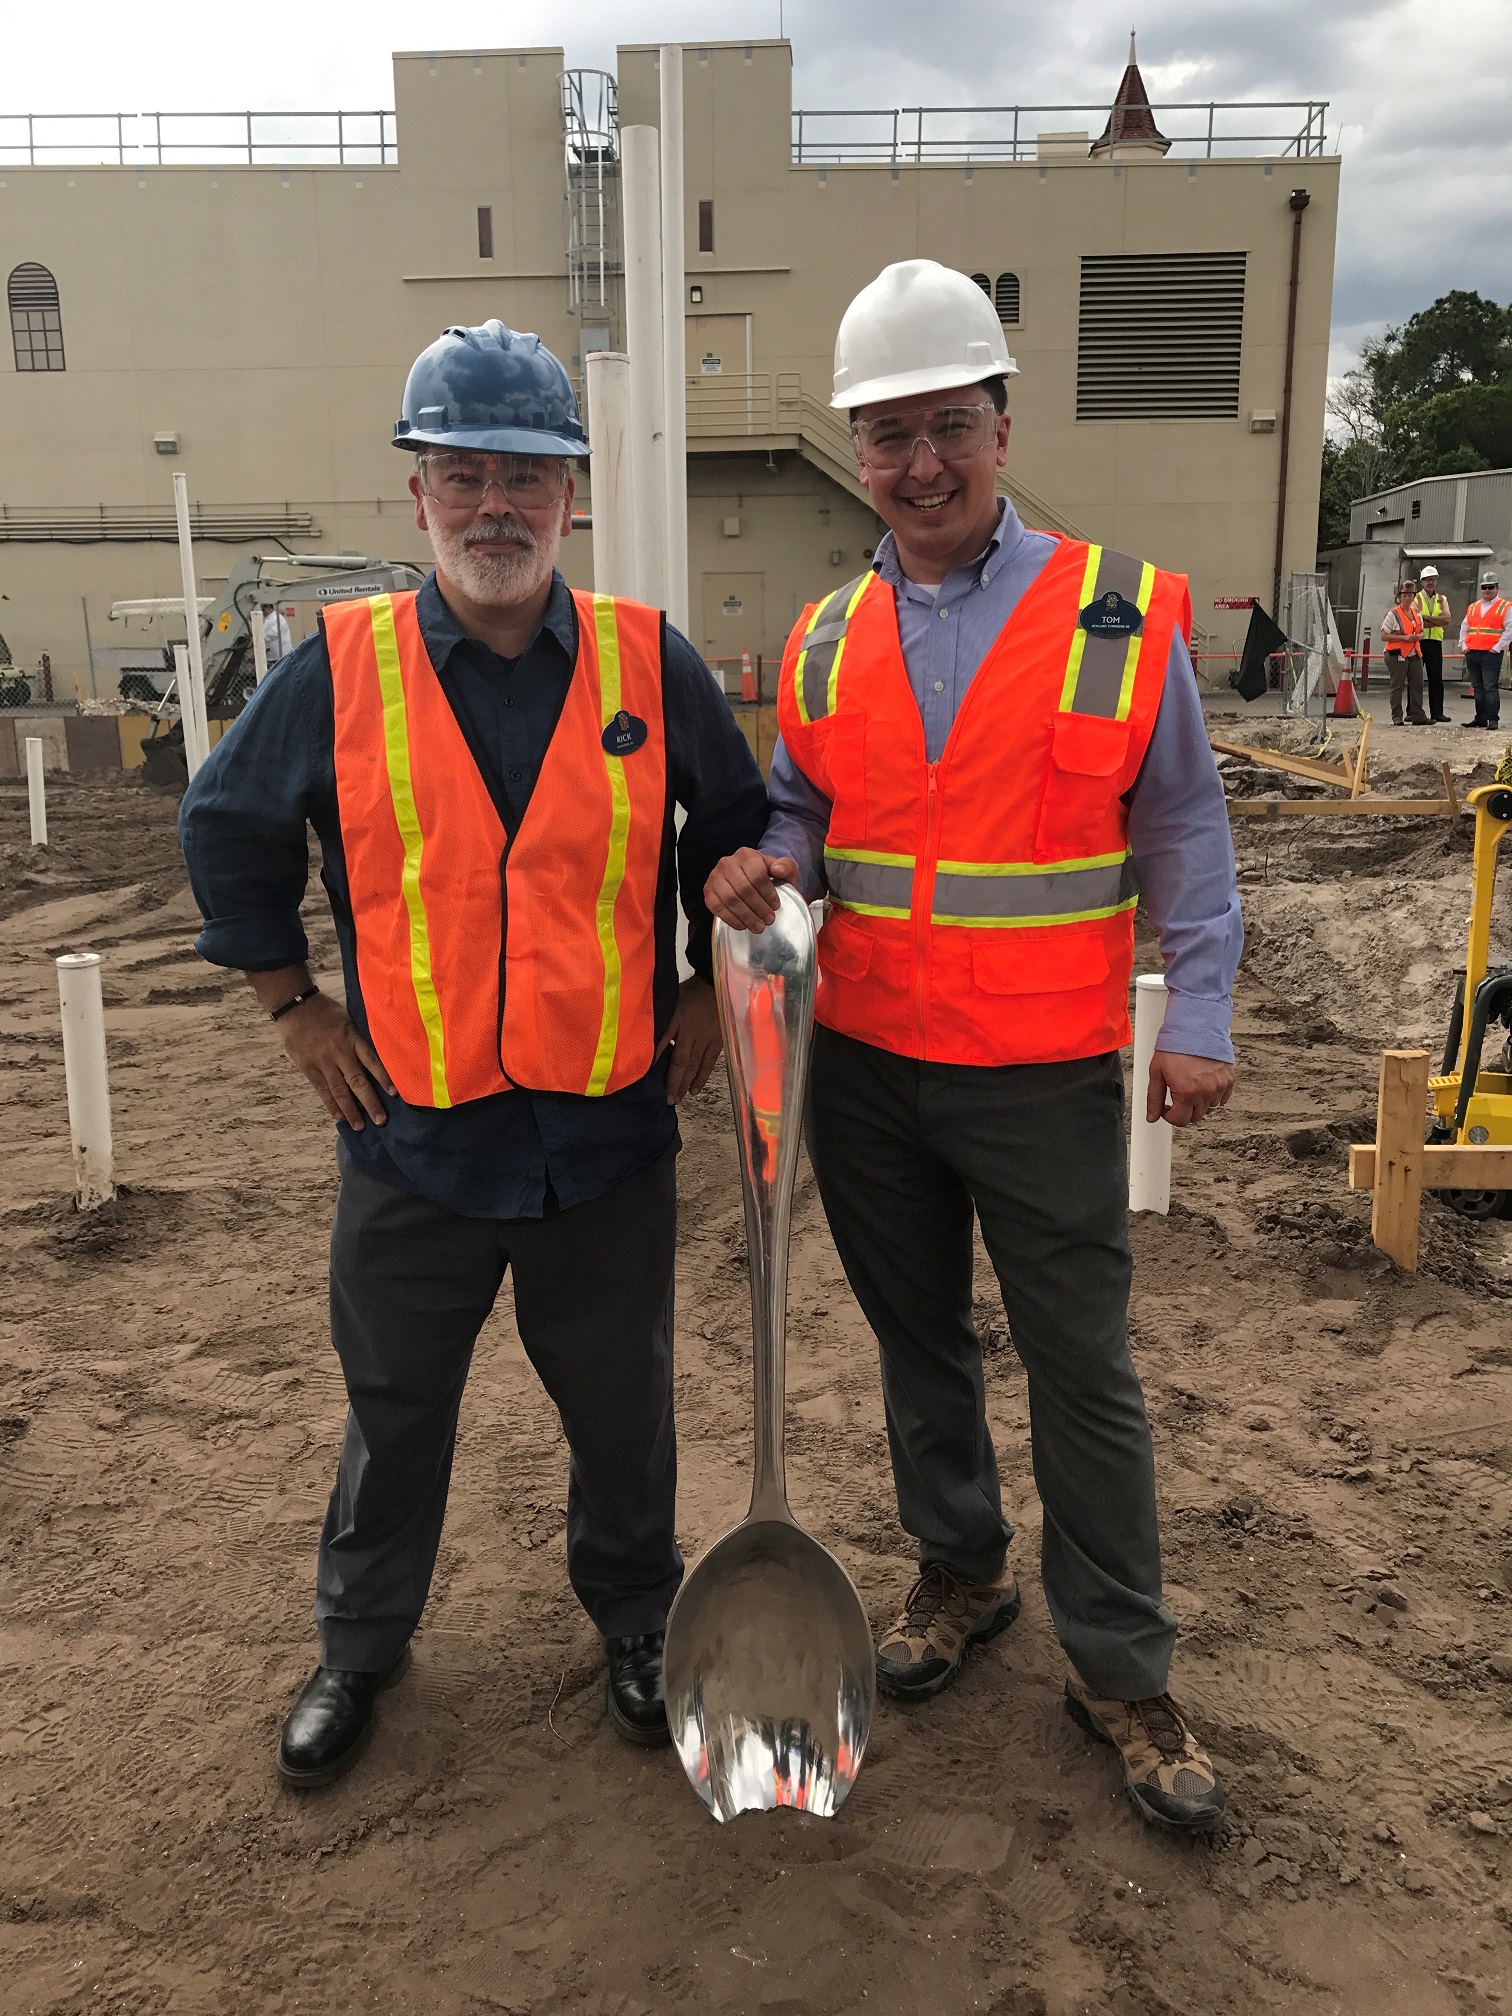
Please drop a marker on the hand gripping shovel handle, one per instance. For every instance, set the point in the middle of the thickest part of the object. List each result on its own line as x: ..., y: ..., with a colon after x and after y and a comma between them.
x: 765, y: 982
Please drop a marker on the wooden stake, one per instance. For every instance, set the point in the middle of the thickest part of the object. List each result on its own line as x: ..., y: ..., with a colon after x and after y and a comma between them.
x: 1358, y: 785
x: 1396, y: 1201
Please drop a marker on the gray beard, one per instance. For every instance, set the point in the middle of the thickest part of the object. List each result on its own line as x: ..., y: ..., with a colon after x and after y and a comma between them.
x: 495, y: 580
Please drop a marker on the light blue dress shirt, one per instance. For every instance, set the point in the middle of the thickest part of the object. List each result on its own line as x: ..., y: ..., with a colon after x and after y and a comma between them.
x: 1178, y: 821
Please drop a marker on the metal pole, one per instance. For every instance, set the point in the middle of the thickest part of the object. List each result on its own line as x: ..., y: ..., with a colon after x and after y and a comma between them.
x: 259, y: 643
x: 192, y: 690
x: 608, y: 377
x: 643, y: 332
x: 1149, y: 1142
x: 674, y: 384
x: 94, y: 691
x: 1299, y: 200
x: 196, y: 739
x: 85, y: 1073
x: 36, y: 790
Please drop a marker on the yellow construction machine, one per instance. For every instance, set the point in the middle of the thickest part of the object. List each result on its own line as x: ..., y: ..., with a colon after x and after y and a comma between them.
x: 1472, y: 1098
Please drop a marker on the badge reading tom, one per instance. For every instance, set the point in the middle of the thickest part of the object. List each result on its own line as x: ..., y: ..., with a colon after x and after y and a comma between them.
x: 1112, y: 615
x: 624, y: 735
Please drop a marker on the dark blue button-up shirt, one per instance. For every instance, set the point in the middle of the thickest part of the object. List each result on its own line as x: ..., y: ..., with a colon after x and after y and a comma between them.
x: 273, y: 774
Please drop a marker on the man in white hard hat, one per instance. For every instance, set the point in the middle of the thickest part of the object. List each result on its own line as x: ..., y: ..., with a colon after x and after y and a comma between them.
x: 1434, y: 610
x: 991, y: 747
x: 1484, y: 635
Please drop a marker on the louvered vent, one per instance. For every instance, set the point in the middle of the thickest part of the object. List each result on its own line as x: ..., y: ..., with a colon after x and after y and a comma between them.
x: 1006, y: 297
x: 1160, y: 336
x: 32, y: 286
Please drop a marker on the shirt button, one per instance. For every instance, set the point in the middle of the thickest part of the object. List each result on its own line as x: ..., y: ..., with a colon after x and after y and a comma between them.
x: 515, y: 776
x: 943, y: 614
x: 939, y: 686
x: 507, y: 701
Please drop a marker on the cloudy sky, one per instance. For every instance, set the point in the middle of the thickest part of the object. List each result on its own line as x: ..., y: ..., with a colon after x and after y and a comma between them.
x: 1419, y: 91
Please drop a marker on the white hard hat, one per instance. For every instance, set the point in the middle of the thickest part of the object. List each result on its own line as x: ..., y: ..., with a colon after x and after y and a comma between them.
x: 1489, y: 580
x: 919, y: 327
x: 1430, y: 569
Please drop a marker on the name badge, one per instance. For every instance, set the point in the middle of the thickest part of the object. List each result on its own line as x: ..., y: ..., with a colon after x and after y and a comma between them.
x: 1111, y: 615
x: 624, y: 735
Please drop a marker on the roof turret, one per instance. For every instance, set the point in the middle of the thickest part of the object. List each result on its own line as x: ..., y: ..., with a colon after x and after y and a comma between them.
x: 1131, y: 127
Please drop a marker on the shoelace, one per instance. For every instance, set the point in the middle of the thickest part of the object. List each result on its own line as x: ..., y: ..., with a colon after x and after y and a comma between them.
x: 929, y: 1596
x: 1163, y: 1723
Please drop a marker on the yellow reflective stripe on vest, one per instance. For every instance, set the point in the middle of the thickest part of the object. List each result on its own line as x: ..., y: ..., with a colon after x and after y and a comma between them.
x: 816, y: 671
x: 401, y: 791
x: 1100, y: 671
x: 606, y: 629
x: 877, y: 885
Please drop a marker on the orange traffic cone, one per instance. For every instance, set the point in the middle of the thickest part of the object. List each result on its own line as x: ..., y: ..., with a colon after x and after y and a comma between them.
x: 747, y: 677
x: 1344, y: 699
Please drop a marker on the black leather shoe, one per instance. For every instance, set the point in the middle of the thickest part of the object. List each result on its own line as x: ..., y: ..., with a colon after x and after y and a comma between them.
x: 636, y: 1707
x: 331, y: 1723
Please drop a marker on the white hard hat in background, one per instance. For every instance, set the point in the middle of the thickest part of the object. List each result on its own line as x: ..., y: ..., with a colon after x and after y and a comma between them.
x: 1489, y: 580
x: 1430, y: 569
x: 919, y: 327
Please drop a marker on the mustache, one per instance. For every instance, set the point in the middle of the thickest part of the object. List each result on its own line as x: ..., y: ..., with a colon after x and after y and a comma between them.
x: 495, y: 531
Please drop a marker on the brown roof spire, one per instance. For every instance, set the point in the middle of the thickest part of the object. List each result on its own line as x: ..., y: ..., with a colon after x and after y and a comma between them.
x: 1131, y: 123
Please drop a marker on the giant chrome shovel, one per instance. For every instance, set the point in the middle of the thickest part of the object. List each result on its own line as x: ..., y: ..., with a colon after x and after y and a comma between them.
x: 770, y: 1675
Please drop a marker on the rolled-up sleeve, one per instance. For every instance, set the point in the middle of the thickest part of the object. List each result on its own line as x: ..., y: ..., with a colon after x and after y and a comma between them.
x: 243, y: 822
x: 1184, y: 859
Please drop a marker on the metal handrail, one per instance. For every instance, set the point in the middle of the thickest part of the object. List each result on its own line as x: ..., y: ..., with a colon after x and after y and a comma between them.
x: 904, y: 140
x: 132, y: 139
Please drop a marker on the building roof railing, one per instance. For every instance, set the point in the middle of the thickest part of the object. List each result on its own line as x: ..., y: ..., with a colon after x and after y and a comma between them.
x: 201, y: 139
x: 914, y: 135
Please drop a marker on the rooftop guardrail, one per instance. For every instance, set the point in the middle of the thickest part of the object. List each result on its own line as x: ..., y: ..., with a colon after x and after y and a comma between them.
x: 914, y: 135
x: 199, y: 139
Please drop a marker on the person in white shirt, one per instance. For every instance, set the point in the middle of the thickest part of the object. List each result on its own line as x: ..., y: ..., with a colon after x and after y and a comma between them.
x: 278, y: 640
x: 1484, y: 635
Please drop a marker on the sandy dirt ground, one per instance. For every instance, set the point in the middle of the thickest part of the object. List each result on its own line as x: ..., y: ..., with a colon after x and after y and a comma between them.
x: 1335, y: 1457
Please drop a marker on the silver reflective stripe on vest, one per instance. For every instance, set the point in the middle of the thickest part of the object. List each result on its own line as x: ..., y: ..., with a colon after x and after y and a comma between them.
x: 1100, y: 670
x: 819, y: 657
x: 878, y: 885
x: 1020, y: 894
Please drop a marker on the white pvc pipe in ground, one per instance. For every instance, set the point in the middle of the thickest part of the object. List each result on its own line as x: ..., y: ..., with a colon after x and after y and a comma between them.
x: 84, y: 1069
x: 674, y: 380
x: 641, y: 185
x: 608, y: 377
x: 196, y: 737
x: 259, y: 644
x: 1149, y: 1143
x: 196, y: 696
x: 36, y: 790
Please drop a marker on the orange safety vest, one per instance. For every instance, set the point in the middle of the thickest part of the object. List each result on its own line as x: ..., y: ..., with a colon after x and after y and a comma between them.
x: 982, y: 906
x: 490, y: 960
x: 1484, y: 624
x: 1405, y: 643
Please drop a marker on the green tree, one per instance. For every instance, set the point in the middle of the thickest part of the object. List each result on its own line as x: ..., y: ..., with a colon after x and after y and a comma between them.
x: 1463, y: 339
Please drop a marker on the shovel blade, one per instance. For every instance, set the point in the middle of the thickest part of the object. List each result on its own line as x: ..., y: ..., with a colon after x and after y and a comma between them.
x: 769, y: 1674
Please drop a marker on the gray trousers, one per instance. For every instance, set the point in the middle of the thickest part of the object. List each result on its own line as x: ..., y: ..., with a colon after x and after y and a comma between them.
x: 411, y: 1286
x: 1483, y: 668
x: 904, y: 1154
x: 1406, y: 685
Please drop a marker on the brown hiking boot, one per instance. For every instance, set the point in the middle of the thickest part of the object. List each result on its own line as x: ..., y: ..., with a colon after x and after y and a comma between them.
x: 1167, y: 1773
x: 943, y: 1615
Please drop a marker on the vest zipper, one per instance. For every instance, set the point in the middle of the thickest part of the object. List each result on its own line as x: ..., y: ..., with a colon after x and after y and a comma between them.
x: 924, y: 896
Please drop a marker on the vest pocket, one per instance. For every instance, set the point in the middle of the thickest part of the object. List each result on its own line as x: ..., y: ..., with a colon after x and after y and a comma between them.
x: 1087, y: 758
x: 1006, y: 962
x: 845, y: 947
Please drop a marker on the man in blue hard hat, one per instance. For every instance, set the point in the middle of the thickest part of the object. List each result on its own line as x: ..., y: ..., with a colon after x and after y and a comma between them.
x: 491, y: 766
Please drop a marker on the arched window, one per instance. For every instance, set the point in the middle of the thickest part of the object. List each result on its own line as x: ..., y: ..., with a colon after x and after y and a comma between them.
x: 1006, y: 297
x: 984, y: 281
x: 36, y: 319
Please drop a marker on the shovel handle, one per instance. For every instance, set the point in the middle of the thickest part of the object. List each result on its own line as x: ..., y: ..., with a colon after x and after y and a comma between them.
x: 765, y: 983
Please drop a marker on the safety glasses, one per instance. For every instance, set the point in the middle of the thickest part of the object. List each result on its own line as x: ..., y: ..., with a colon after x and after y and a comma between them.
x: 951, y: 433
x: 461, y: 480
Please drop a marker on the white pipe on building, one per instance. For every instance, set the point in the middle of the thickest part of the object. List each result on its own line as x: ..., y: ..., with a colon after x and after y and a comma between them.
x: 607, y: 373
x: 195, y: 698
x: 196, y: 736
x: 88, y: 1086
x: 675, y: 384
x: 1149, y: 1142
x: 259, y: 644
x: 36, y: 790
x: 641, y: 183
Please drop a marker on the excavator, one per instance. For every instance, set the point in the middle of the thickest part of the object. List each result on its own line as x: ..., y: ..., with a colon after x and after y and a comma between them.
x: 1472, y: 1097
x: 226, y: 640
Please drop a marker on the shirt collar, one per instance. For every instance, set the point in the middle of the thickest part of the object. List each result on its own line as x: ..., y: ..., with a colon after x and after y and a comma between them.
x: 443, y: 633
x: 1009, y: 536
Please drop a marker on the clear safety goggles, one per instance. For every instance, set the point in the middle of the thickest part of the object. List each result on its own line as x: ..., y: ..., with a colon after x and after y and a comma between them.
x: 951, y: 433
x: 462, y: 479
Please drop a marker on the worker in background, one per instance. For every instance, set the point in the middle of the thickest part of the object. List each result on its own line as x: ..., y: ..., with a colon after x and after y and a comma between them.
x: 1401, y: 640
x: 1433, y: 608
x: 1484, y: 635
x: 491, y: 766
x: 991, y: 747
x: 278, y: 640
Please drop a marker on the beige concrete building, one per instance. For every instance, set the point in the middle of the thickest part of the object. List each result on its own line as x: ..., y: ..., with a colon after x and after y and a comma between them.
x: 250, y: 318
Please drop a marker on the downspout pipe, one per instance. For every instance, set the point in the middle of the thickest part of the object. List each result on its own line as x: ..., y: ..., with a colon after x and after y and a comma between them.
x: 1299, y: 200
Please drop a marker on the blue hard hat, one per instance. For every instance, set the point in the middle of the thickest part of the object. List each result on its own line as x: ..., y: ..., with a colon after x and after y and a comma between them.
x: 493, y: 389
